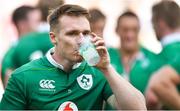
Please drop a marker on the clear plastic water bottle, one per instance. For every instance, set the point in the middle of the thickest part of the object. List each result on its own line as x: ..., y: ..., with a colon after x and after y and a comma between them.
x: 88, y: 51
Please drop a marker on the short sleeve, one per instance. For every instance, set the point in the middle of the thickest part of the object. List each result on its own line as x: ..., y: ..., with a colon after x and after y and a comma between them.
x: 14, y: 96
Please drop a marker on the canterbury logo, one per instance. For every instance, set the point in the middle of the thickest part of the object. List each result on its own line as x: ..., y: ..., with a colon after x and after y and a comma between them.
x: 47, y: 84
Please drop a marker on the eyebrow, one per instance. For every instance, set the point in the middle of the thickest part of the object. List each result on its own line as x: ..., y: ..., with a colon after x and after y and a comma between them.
x: 77, y: 31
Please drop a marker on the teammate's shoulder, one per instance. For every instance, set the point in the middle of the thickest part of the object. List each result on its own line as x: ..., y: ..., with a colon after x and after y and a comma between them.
x: 33, y: 35
x: 31, y: 66
x: 9, y: 53
x: 112, y: 49
x: 148, y: 52
x: 36, y: 40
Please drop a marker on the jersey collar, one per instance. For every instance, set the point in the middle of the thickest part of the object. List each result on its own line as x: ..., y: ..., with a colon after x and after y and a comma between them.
x: 171, y: 38
x: 54, y: 63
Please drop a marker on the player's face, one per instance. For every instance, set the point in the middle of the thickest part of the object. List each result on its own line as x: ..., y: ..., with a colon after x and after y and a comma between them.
x: 98, y: 27
x: 128, y: 32
x: 34, y: 19
x: 71, y: 31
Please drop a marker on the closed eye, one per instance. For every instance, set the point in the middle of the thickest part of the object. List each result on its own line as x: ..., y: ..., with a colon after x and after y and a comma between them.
x: 77, y: 33
x: 73, y: 33
x: 86, y: 32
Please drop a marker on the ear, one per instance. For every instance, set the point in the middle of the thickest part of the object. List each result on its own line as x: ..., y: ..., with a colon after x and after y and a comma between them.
x: 22, y: 25
x: 117, y: 31
x: 53, y: 38
x: 162, y: 24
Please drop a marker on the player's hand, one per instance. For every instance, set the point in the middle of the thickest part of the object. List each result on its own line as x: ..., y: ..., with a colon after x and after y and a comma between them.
x: 102, y: 50
x: 152, y: 101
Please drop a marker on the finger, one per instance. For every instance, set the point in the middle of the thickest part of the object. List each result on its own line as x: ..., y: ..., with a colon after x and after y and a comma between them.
x: 151, y: 99
x: 99, y: 43
x: 101, y: 49
x: 93, y: 34
x: 96, y: 39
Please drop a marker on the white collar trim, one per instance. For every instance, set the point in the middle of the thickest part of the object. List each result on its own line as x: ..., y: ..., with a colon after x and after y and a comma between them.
x: 171, y: 38
x: 54, y: 63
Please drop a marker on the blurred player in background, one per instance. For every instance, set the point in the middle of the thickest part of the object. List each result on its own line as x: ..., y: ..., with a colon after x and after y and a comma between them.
x: 34, y: 45
x: 97, y: 21
x: 164, y: 86
x: 26, y: 19
x: 46, y: 6
x: 131, y: 60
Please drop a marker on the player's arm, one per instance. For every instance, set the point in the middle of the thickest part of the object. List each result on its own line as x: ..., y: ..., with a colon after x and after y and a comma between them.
x: 14, y: 95
x: 163, y: 84
x: 125, y: 95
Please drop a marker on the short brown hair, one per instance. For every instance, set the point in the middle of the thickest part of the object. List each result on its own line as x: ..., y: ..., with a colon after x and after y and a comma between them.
x: 21, y: 13
x: 95, y: 15
x: 168, y: 11
x: 67, y: 9
x: 46, y: 5
x: 127, y: 13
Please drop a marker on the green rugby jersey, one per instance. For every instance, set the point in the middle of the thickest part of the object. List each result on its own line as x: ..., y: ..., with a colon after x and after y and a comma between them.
x: 141, y: 68
x: 170, y: 54
x: 171, y: 50
x: 7, y: 62
x: 43, y: 85
x: 30, y: 47
x: 140, y: 72
x: 171, y: 47
x: 176, y: 63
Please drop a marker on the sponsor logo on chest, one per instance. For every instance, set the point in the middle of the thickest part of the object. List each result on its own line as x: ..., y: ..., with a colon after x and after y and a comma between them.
x: 47, y: 85
x: 68, y: 106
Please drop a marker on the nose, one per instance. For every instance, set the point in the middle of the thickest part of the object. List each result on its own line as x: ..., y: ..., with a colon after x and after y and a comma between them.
x: 79, y: 38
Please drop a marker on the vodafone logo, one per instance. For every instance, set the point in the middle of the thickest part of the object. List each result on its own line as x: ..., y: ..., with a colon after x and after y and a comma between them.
x: 68, y: 106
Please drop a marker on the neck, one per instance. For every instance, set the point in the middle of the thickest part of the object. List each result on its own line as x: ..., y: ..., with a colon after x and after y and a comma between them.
x: 67, y: 65
x: 128, y: 58
x: 170, y: 31
x: 22, y: 33
x: 128, y: 53
x: 22, y: 30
